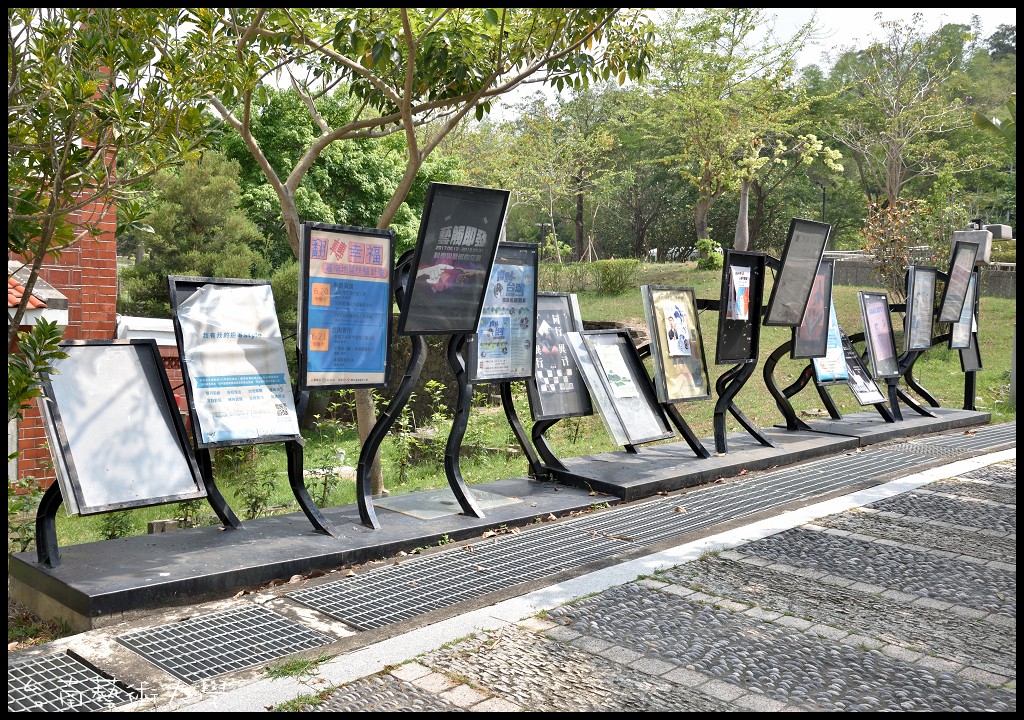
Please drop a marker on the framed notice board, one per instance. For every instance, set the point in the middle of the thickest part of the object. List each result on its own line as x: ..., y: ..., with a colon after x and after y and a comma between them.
x: 114, y: 429
x: 503, y: 349
x: 452, y: 260
x: 622, y: 381
x: 556, y: 389
x: 344, y: 332
x: 739, y: 315
x: 232, y: 361
x: 805, y: 246
x: 680, y: 370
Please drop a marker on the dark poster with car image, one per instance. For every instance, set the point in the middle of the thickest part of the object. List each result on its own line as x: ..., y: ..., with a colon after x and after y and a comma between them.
x: 458, y: 238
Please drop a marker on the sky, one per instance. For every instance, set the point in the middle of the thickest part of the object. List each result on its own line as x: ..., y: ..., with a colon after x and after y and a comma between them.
x: 857, y: 27
x: 839, y: 28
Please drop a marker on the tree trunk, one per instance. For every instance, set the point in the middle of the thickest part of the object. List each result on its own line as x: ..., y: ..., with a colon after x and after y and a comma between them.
x: 366, y: 418
x: 700, y: 217
x: 741, y: 240
x: 581, y: 240
x: 757, y: 222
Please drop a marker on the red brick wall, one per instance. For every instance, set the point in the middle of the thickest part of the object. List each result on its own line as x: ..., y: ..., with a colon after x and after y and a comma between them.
x: 87, y: 274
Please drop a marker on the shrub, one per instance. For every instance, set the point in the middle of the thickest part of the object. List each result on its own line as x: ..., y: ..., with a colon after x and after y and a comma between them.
x: 615, y: 277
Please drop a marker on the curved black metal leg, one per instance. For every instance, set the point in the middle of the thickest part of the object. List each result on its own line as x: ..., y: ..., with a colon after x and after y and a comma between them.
x: 721, y: 406
x: 725, y: 402
x: 828, y: 402
x: 782, y: 397
x: 970, y: 390
x: 894, y: 398
x: 297, y: 481
x: 364, y: 491
x: 906, y: 363
x: 47, y: 551
x: 220, y: 506
x: 458, y: 431
x: 745, y: 422
x: 543, y: 449
x: 685, y: 430
x: 509, y: 406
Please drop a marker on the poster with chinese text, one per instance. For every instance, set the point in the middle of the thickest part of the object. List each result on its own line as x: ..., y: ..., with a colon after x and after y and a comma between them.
x: 458, y: 239
x: 503, y: 347
x: 345, y: 307
x: 233, y: 357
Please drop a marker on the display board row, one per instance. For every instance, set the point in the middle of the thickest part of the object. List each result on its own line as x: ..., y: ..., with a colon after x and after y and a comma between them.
x: 111, y: 415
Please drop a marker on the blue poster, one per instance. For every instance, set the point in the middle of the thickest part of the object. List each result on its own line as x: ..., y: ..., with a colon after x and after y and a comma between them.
x: 347, y: 308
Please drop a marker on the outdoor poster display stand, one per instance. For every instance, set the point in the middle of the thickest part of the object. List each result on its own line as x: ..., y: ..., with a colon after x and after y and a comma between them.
x: 343, y: 335
x: 504, y: 348
x: 677, y: 351
x: 115, y: 434
x: 236, y: 375
x: 556, y: 389
x: 440, y: 288
x: 816, y: 338
x: 738, y: 339
x: 618, y: 382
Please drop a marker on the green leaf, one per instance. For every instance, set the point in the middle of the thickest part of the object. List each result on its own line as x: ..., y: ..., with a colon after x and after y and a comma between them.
x: 491, y: 16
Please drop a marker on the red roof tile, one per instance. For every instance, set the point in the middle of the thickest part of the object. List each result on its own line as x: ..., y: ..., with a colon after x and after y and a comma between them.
x: 16, y: 291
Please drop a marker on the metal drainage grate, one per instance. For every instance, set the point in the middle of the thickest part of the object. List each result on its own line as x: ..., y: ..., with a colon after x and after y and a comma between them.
x: 203, y: 647
x: 919, y: 449
x: 710, y: 505
x: 987, y: 437
x: 393, y: 593
x: 62, y: 683
x: 411, y: 588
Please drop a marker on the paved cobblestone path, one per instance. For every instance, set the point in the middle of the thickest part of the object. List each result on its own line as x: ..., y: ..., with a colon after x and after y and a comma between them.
x: 908, y: 604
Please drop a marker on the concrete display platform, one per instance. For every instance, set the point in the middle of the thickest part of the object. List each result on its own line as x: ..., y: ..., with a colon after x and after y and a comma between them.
x: 869, y: 428
x: 101, y: 583
x: 673, y: 466
x: 105, y: 582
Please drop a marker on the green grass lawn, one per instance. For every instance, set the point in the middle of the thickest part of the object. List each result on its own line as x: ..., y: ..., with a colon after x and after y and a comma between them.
x: 491, y: 451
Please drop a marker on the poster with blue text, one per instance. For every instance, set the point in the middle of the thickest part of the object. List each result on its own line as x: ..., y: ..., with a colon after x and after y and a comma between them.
x: 503, y: 347
x: 233, y: 354
x: 345, y: 296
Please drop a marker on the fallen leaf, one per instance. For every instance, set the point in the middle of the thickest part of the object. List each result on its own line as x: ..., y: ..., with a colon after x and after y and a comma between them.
x: 350, y: 573
x: 661, y: 492
x: 479, y: 569
x: 550, y: 517
x: 401, y: 553
x: 680, y: 508
x: 743, y: 472
x: 295, y: 579
x: 469, y: 548
x: 515, y: 531
x: 489, y: 533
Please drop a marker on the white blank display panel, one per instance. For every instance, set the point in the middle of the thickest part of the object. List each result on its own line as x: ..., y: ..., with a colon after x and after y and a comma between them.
x: 115, y: 431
